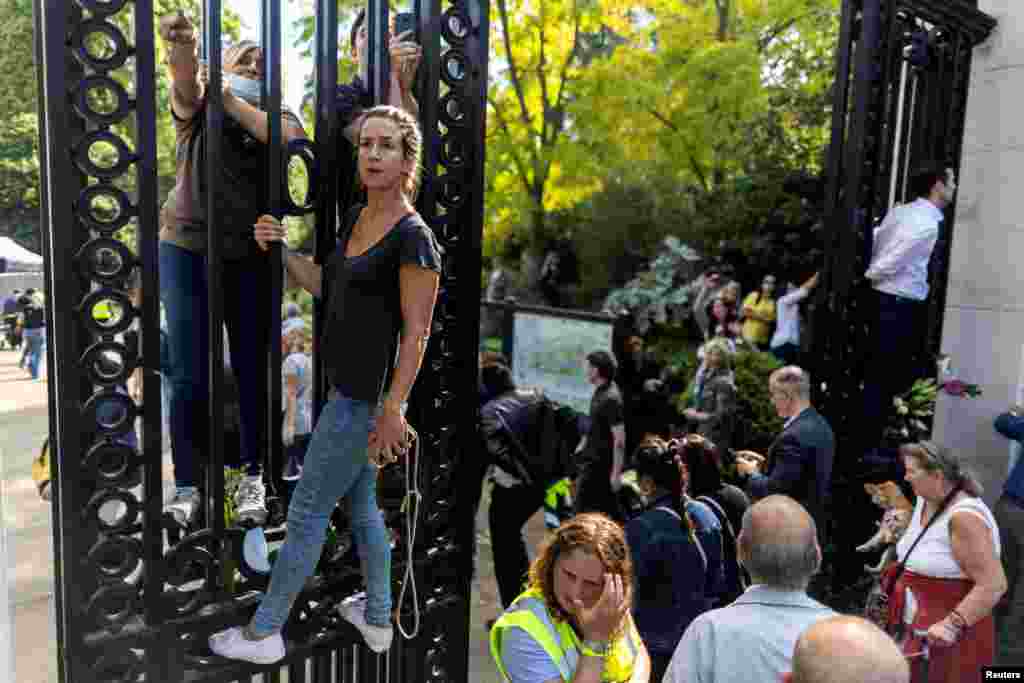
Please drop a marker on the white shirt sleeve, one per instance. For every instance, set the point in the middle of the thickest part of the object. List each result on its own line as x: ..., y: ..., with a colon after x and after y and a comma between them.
x: 911, y: 244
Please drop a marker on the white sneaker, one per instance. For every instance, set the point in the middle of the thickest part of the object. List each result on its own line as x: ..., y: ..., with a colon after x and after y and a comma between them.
x: 251, y: 500
x: 233, y: 645
x: 184, y: 506
x: 378, y: 638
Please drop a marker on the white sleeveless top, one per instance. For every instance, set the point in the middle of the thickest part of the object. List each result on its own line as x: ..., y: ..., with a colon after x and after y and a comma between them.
x: 933, y: 556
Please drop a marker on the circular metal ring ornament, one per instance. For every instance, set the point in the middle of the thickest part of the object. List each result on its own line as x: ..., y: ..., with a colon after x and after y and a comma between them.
x: 116, y: 557
x: 95, y: 82
x: 106, y: 260
x: 125, y: 156
x: 109, y: 363
x: 118, y: 56
x: 112, y: 464
x: 113, y: 605
x: 455, y: 26
x: 451, y: 193
x: 453, y: 151
x: 453, y: 110
x: 454, y: 68
x: 305, y: 152
x: 123, y: 667
x: 86, y: 210
x: 111, y: 412
x: 119, y: 523
x: 107, y: 311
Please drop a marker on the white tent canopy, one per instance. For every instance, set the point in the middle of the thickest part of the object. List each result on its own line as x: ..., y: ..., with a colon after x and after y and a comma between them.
x: 18, y: 257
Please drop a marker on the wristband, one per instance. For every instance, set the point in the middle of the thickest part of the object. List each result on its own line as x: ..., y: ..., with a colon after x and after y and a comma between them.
x: 595, y: 648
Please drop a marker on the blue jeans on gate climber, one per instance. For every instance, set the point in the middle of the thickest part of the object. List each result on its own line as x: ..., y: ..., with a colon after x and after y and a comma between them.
x: 336, y: 467
x: 247, y: 306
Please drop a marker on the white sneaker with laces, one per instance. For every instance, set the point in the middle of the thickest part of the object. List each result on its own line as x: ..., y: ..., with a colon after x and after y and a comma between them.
x: 251, y: 500
x: 378, y: 638
x: 232, y: 644
x: 184, y: 506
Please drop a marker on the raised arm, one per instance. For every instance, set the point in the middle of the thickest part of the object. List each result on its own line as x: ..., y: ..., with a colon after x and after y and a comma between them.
x: 179, y: 38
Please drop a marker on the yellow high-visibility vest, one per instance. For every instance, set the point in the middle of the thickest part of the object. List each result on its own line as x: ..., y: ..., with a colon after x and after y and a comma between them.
x: 560, y: 641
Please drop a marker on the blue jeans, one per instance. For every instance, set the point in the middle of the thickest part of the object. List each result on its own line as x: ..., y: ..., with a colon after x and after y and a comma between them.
x: 35, y: 346
x: 247, y: 306
x: 336, y: 467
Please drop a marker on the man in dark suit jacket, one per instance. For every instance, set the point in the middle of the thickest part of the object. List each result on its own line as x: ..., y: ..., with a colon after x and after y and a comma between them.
x: 799, y: 462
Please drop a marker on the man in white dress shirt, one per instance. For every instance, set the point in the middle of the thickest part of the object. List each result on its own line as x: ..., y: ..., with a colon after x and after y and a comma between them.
x: 898, y: 273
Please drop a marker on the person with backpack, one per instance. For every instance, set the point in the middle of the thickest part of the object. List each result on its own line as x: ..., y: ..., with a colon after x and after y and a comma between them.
x: 33, y: 326
x: 670, y: 563
x: 529, y: 440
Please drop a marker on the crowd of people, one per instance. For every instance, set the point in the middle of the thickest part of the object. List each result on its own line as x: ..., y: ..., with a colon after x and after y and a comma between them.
x: 701, y: 562
x: 24, y: 328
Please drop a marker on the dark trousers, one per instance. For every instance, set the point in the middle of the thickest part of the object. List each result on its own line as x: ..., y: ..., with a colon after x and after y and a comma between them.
x: 510, y: 509
x: 247, y: 306
x: 594, y: 492
x: 659, y: 665
x: 1009, y: 614
x: 788, y: 353
x: 891, y: 365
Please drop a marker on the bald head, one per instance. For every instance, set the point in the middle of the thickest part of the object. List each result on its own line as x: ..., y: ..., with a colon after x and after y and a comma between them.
x: 847, y: 650
x: 779, y: 543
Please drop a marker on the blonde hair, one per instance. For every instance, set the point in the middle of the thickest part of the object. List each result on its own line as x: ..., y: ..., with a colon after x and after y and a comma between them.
x: 412, y: 141
x: 721, y: 347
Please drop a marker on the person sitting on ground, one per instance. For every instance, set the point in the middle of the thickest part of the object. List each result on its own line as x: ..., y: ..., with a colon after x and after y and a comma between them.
x: 753, y: 638
x: 847, y: 650
x: 669, y: 561
x: 573, y: 623
x: 758, y: 314
x: 728, y: 502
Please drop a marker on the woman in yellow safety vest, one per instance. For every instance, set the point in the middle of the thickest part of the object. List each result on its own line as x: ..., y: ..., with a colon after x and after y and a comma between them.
x: 573, y: 623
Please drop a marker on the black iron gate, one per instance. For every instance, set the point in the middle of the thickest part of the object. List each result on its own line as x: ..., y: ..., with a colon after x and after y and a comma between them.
x: 900, y: 97
x: 134, y: 600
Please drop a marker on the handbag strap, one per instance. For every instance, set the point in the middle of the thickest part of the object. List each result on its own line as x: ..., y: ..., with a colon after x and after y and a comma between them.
x: 696, y: 539
x: 938, y: 513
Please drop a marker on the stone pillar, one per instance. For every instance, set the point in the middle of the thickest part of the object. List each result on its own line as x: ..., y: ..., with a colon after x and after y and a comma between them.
x: 984, y: 319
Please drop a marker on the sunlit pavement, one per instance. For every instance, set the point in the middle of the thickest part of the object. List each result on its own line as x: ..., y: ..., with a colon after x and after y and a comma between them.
x: 28, y: 546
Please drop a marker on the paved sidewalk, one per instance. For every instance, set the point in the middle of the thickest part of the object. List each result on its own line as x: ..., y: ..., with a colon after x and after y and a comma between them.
x: 25, y: 522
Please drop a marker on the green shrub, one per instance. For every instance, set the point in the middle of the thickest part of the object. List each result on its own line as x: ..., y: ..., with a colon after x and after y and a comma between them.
x: 757, y: 422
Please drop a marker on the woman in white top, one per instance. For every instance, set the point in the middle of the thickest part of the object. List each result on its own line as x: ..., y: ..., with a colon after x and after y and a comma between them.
x: 953, y: 578
x: 297, y: 393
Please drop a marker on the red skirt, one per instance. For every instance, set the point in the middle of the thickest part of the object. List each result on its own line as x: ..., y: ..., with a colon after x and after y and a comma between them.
x: 936, y: 598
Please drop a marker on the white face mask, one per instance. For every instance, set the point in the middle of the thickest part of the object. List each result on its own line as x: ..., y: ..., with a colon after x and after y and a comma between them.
x: 248, y: 89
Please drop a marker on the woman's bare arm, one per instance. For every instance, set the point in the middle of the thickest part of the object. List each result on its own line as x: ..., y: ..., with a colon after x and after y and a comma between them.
x: 419, y: 294
x: 307, y: 274
x: 254, y: 120
x: 975, y: 552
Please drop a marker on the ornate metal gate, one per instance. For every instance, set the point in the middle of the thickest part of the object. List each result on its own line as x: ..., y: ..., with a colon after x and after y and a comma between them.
x: 134, y: 599
x: 900, y: 97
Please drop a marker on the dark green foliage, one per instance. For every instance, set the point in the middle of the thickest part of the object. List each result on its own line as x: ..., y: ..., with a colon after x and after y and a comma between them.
x: 758, y: 422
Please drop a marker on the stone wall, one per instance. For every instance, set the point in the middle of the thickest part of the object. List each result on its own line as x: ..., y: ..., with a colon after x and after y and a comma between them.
x: 984, y: 320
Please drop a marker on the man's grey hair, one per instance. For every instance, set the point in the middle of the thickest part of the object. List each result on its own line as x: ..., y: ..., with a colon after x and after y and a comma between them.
x: 794, y: 380
x: 783, y: 560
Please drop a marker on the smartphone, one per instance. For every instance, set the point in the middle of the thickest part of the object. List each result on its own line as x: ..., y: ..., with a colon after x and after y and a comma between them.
x: 405, y: 21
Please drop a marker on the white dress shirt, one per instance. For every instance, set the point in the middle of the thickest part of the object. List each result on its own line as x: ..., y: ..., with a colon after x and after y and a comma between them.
x: 787, y: 318
x: 903, y: 245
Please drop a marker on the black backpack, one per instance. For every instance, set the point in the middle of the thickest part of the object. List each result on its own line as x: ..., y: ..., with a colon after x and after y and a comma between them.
x: 34, y: 317
x: 548, y: 454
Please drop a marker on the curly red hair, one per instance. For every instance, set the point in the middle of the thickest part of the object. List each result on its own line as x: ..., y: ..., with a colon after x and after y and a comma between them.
x: 595, y: 534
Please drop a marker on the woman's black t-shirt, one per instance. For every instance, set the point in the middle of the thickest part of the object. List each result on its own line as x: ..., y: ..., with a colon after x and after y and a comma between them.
x: 363, y: 303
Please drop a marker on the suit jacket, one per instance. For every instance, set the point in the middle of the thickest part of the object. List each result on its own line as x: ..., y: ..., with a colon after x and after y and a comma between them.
x: 750, y: 640
x: 800, y: 465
